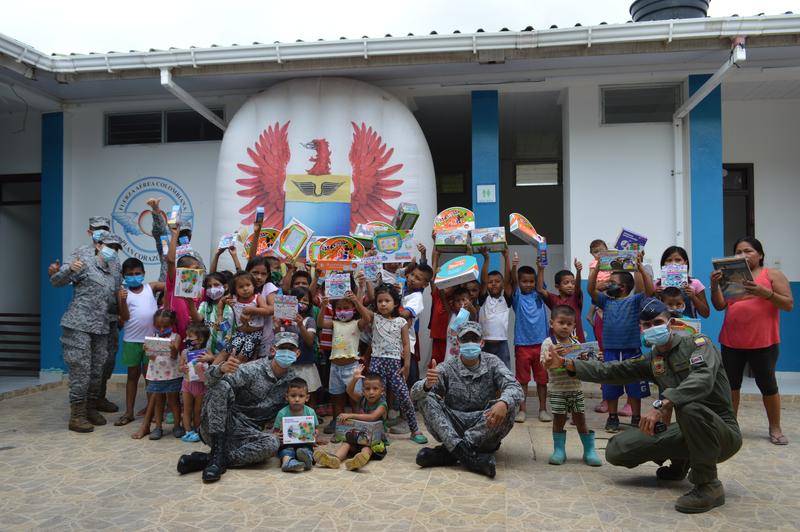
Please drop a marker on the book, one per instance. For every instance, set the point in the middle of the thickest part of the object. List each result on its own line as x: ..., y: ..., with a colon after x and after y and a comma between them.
x: 285, y: 307
x: 174, y: 216
x: 155, y: 346
x: 454, y: 218
x: 406, y: 216
x: 735, y: 272
x: 452, y: 241
x: 491, y: 238
x: 292, y: 240
x: 188, y: 282
x: 457, y: 271
x: 676, y: 275
x: 226, y: 241
x: 394, y: 246
x: 359, y: 432
x: 298, y: 429
x: 197, y: 369
x: 618, y: 260
x: 521, y: 228
x: 337, y: 285
x: 584, y: 351
x: 629, y: 239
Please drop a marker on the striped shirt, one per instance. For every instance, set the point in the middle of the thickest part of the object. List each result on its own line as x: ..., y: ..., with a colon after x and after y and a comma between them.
x: 560, y: 381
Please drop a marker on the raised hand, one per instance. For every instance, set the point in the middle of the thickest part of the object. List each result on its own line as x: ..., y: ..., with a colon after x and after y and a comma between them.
x: 358, y: 373
x: 578, y: 265
x: 76, y: 266
x: 431, y: 375
x: 123, y: 294
x: 230, y: 365
x: 154, y: 204
x: 53, y: 268
x: 515, y: 260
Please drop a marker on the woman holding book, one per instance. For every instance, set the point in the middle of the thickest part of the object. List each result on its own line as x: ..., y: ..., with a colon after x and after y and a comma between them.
x: 751, y: 330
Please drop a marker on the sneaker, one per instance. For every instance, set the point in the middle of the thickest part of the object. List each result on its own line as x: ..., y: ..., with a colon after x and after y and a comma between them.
x: 356, y: 462
x: 292, y: 466
x: 401, y: 427
x: 305, y: 456
x: 419, y: 437
x: 612, y: 424
x: 544, y: 416
x: 635, y: 421
x: 156, y: 433
x: 520, y: 417
x: 178, y: 432
x: 602, y: 407
x: 625, y: 411
x: 191, y: 437
x: 324, y: 459
x: 330, y: 428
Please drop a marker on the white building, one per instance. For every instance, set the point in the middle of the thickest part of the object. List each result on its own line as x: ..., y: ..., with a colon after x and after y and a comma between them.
x: 593, y: 115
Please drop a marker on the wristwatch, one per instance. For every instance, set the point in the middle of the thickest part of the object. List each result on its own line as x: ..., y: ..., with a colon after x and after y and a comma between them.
x: 657, y: 404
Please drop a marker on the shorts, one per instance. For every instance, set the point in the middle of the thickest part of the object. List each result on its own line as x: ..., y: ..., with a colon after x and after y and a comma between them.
x: 527, y: 360
x: 762, y: 364
x: 341, y: 375
x: 170, y: 386
x: 196, y: 388
x: 567, y: 402
x: 133, y: 355
x: 310, y: 374
x: 291, y: 450
x: 439, y: 348
x: 634, y: 390
x: 498, y: 348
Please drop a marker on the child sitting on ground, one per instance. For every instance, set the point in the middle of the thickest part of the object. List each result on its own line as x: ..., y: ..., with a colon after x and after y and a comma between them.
x: 297, y: 456
x: 193, y: 391
x: 566, y: 396
x: 569, y: 293
x: 495, y: 304
x: 371, y: 407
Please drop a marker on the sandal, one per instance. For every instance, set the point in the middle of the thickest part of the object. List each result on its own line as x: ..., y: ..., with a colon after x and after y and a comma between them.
x: 778, y: 440
x: 123, y: 420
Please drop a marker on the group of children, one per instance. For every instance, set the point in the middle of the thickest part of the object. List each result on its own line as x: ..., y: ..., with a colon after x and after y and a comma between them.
x: 363, y: 349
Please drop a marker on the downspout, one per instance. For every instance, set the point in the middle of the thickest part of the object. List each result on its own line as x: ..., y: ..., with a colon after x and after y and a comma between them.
x: 188, y: 99
x: 738, y: 55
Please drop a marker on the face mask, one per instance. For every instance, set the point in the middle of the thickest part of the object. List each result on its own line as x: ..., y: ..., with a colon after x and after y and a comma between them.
x: 613, y: 289
x: 657, y: 335
x: 678, y: 312
x: 302, y: 307
x: 97, y: 235
x: 276, y: 277
x: 107, y: 253
x: 470, y: 350
x: 215, y: 292
x: 285, y: 357
x: 344, y: 315
x: 134, y: 281
x: 163, y: 333
x: 461, y: 317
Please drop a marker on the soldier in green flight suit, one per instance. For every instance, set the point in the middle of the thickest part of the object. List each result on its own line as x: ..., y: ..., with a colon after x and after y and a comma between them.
x: 689, y: 370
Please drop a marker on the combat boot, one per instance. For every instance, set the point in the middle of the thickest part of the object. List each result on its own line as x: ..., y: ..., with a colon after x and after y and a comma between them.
x: 216, y: 463
x: 702, y: 498
x: 676, y: 470
x: 482, y: 463
x: 104, y: 405
x: 92, y: 414
x: 196, y: 461
x: 435, y: 457
x: 77, y: 418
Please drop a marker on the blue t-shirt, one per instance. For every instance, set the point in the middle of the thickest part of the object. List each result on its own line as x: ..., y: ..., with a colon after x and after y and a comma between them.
x: 530, y: 323
x: 620, y: 321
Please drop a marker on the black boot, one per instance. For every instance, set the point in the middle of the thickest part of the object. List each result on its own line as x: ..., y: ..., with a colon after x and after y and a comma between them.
x: 482, y: 463
x: 216, y: 464
x: 189, y: 463
x: 435, y: 457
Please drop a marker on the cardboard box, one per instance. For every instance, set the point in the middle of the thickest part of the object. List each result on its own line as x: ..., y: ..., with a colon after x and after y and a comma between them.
x: 298, y: 429
x: 359, y: 432
x: 454, y: 218
x: 406, y: 216
x: 618, y: 260
x: 521, y: 228
x: 454, y: 241
x: 492, y: 238
x: 457, y: 271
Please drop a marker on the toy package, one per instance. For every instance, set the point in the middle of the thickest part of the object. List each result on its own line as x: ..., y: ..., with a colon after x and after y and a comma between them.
x: 197, y: 369
x: 629, y: 239
x: 735, y: 271
x: 313, y: 248
x: 285, y: 307
x: 298, y: 429
x: 491, y: 238
x: 394, y: 246
x: 454, y: 218
x: 618, y: 260
x: 226, y: 241
x: 292, y: 240
x: 259, y: 215
x: 364, y: 233
x: 188, y: 282
x: 457, y: 271
x: 371, y: 266
x: 521, y: 228
x: 359, y: 432
x: 676, y: 275
x: 406, y: 216
x: 164, y: 245
x: 453, y: 241
x: 174, y: 217
x: 337, y: 285
x: 584, y: 351
x: 155, y: 346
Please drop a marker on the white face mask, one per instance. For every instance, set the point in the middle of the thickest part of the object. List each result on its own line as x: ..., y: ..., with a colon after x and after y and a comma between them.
x: 215, y: 292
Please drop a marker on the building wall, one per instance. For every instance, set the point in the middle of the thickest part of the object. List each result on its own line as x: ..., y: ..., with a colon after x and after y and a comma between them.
x: 20, y: 141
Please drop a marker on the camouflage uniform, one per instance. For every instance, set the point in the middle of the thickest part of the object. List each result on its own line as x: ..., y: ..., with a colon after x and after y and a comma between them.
x: 241, y: 406
x: 160, y: 228
x: 693, y: 379
x: 455, y: 408
x: 85, y: 323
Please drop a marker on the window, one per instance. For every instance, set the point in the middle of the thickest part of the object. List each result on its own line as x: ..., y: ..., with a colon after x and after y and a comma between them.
x: 536, y: 174
x: 160, y: 126
x: 640, y: 103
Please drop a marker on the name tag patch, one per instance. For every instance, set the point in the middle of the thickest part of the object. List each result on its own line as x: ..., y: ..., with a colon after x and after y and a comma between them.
x: 697, y: 360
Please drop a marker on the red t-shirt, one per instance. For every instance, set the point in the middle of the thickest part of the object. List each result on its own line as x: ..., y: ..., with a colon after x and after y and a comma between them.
x: 439, y: 317
x: 182, y: 316
x: 575, y: 301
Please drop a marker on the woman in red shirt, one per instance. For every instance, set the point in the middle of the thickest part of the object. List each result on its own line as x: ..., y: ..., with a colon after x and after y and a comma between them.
x: 751, y: 330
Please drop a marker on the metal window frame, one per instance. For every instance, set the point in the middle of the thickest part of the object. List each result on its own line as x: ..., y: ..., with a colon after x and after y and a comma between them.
x: 183, y: 110
x: 559, y: 171
x: 163, y: 114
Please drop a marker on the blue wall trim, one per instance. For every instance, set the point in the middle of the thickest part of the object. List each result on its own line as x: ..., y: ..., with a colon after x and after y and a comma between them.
x: 486, y: 159
x: 53, y: 301
x: 705, y: 145
x: 790, y: 335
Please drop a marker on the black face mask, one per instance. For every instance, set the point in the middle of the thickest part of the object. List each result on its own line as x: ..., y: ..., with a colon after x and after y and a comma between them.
x: 613, y: 289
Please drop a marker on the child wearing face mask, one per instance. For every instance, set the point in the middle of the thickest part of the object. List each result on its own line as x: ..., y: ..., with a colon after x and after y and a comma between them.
x: 305, y: 327
x: 192, y: 392
x: 215, y: 312
x: 163, y: 378
x: 249, y: 310
x: 137, y: 304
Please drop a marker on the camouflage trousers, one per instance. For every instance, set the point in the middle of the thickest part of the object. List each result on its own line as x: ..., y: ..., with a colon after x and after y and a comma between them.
x: 85, y: 355
x: 108, y: 368
x: 451, y: 426
x: 246, y: 441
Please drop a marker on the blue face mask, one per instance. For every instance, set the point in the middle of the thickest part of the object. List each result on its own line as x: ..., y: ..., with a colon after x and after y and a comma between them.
x: 97, y: 235
x: 108, y: 253
x: 164, y: 333
x: 657, y: 335
x: 134, y: 281
x: 470, y: 350
x: 461, y: 317
x: 285, y: 357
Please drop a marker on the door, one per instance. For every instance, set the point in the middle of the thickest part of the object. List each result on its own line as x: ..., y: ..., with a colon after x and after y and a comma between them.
x: 738, y: 215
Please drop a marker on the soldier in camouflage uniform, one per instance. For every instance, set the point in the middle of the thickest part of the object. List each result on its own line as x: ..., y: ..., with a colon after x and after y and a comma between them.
x: 85, y: 328
x: 240, y: 404
x: 689, y: 370
x: 468, y: 404
x: 112, y: 339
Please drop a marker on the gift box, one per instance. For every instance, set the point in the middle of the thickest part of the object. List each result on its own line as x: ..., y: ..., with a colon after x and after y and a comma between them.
x: 491, y: 238
x: 394, y: 246
x: 406, y: 216
x: 584, y: 351
x: 521, y: 228
x: 618, y: 260
x: 454, y: 218
x: 359, y: 432
x: 457, y: 271
x: 453, y: 241
x: 292, y: 240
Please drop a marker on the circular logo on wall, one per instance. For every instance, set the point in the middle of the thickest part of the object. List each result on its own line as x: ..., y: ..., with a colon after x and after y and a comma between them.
x: 132, y: 217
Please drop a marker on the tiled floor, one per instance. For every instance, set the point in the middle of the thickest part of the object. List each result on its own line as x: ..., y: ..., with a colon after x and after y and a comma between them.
x: 51, y: 478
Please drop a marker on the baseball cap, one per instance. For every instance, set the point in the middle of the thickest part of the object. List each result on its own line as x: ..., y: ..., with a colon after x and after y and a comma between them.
x: 283, y: 338
x: 470, y: 327
x: 99, y: 221
x: 111, y: 238
x: 652, y: 308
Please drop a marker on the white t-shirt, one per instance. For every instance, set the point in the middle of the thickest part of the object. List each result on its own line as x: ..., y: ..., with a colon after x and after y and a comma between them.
x: 268, y: 334
x: 493, y: 317
x: 141, y: 307
x: 414, y: 303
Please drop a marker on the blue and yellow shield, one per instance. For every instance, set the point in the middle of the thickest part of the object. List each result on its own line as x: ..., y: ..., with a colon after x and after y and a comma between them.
x: 320, y: 201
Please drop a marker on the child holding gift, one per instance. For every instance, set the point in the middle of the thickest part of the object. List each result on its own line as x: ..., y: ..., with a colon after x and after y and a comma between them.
x: 299, y: 456
x: 569, y: 293
x: 495, y: 306
x: 193, y: 391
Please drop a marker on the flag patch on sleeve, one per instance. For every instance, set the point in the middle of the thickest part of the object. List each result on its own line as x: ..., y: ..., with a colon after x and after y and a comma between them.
x: 699, y: 342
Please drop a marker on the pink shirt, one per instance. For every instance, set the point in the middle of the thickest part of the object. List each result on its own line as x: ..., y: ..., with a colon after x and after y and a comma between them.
x: 751, y: 322
x: 182, y: 316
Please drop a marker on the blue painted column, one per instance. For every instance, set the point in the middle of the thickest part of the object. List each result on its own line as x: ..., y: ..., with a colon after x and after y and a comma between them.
x: 486, y: 160
x: 705, y: 145
x: 52, y: 301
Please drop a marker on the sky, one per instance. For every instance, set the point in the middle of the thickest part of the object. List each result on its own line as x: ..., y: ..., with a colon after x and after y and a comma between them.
x: 56, y: 26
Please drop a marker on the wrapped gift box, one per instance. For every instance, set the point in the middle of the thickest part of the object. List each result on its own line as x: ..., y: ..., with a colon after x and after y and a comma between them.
x: 457, y: 271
